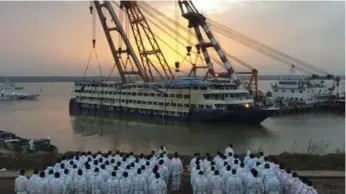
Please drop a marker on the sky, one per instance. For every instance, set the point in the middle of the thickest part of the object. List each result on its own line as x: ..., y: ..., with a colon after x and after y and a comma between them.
x: 46, y: 38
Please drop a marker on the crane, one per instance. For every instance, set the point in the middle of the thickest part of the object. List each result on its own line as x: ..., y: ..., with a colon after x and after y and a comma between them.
x: 119, y: 29
x: 197, y: 20
x: 146, y: 42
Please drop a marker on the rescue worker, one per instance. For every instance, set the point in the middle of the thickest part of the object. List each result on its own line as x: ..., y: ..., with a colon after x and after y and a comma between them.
x: 176, y: 172
x: 229, y: 149
x: 307, y: 189
x: 96, y: 183
x: 158, y: 186
x: 163, y: 170
x: 292, y: 183
x: 57, y: 186
x: 162, y: 149
x: 250, y: 163
x: 261, y: 158
x: 201, y: 184
x: 79, y: 184
x: 226, y: 175
x: 254, y: 185
x: 193, y: 161
x: 112, y: 184
x: 272, y: 184
x: 21, y: 183
x: 247, y: 157
x: 32, y: 182
x: 42, y: 184
x: 139, y: 184
x: 66, y: 179
x: 234, y: 184
x: 215, y: 183
x: 124, y: 184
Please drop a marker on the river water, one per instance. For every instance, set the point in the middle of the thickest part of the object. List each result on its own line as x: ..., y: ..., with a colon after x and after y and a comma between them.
x: 49, y: 117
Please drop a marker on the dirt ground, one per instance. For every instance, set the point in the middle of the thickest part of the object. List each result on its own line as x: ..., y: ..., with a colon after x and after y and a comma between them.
x: 323, y: 186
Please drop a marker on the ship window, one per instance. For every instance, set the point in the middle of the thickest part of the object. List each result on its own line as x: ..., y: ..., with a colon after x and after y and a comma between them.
x: 145, y: 94
x: 301, y: 99
x: 283, y: 90
x: 140, y: 86
x: 171, y: 95
x: 165, y: 95
x: 292, y: 91
x: 300, y: 91
x: 154, y: 103
x: 209, y: 106
x: 186, y: 96
x: 179, y: 96
x: 276, y: 90
x: 152, y: 94
x: 201, y: 106
x: 174, y: 104
x: 186, y: 105
x: 161, y: 104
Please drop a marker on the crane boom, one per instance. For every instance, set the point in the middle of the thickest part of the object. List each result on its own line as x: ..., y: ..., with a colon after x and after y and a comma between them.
x: 145, y: 40
x: 116, y: 53
x: 197, y: 20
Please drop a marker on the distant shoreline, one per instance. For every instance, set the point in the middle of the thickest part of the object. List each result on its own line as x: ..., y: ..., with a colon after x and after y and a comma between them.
x: 96, y: 78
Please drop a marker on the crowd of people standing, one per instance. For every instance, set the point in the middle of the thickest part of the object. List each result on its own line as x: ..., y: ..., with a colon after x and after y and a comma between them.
x: 120, y: 173
x: 227, y: 174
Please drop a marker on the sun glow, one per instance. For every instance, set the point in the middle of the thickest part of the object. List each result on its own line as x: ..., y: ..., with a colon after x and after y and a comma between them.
x: 214, y: 6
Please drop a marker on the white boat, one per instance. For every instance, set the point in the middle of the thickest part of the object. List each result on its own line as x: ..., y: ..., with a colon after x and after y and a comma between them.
x: 11, y: 94
x: 295, y: 90
x: 9, y: 85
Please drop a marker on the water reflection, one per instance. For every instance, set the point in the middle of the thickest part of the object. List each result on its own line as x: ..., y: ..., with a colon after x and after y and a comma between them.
x: 144, y: 135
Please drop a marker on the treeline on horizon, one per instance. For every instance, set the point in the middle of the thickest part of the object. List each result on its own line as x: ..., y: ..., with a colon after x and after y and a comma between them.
x: 96, y: 78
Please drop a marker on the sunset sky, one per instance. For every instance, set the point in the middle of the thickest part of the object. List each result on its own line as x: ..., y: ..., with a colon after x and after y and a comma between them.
x: 54, y: 38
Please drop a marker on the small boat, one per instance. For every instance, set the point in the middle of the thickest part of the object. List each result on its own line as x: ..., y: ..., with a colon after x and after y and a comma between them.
x: 9, y: 85
x: 11, y: 94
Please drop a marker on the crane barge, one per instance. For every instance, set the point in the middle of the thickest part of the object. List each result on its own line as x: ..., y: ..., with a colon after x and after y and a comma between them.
x: 153, y: 90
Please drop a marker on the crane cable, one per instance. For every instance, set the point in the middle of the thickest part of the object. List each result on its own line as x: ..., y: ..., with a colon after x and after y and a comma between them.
x: 148, y: 8
x: 220, y: 31
x: 231, y: 31
x: 261, y: 50
x: 93, y: 51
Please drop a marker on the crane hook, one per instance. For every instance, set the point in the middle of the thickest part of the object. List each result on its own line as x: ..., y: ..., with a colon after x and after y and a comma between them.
x: 91, y: 9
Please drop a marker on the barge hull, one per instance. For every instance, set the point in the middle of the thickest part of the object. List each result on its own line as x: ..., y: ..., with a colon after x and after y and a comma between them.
x: 245, y: 116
